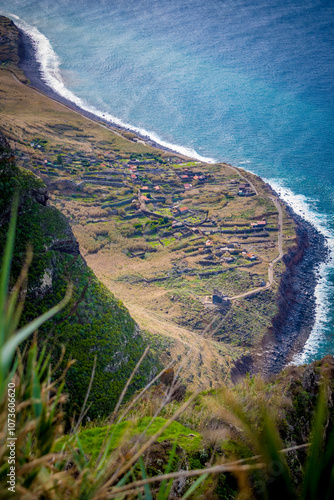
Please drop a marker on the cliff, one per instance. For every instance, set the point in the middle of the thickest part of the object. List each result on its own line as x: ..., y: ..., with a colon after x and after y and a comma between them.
x: 11, y: 48
x: 293, y: 324
x: 94, y: 323
x: 160, y: 265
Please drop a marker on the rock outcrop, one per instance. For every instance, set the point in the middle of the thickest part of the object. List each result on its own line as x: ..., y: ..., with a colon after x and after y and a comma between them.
x: 293, y: 324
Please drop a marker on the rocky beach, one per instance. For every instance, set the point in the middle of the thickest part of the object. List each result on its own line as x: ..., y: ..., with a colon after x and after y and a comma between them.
x: 166, y: 250
x: 296, y: 301
x: 293, y: 324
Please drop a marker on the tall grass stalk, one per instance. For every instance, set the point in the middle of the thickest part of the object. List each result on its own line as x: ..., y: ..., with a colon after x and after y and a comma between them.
x: 120, y: 473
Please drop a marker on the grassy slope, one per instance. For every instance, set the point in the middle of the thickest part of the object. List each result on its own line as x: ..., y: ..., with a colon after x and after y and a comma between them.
x: 291, y: 398
x: 93, y: 438
x: 228, y: 423
x: 27, y: 125
x: 99, y: 324
x: 171, y: 312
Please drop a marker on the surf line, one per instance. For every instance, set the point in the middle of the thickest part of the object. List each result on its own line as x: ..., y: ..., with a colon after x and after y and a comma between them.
x: 50, y: 74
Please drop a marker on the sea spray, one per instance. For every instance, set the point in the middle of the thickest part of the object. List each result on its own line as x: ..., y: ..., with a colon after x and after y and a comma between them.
x: 51, y: 75
x: 301, y: 206
x: 252, y: 84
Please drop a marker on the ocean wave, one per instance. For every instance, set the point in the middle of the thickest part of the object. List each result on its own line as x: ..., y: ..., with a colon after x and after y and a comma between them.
x: 300, y: 204
x: 51, y: 76
x: 322, y: 292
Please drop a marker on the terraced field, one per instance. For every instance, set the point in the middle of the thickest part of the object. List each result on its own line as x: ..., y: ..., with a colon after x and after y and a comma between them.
x: 173, y: 238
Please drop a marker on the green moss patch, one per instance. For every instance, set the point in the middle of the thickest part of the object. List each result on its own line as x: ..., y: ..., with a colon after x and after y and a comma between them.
x: 92, y: 439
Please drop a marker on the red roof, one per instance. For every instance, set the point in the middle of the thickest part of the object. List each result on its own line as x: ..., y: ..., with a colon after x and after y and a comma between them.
x: 183, y: 209
x: 259, y: 223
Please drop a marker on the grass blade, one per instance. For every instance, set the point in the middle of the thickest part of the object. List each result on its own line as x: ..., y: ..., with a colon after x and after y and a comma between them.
x: 194, y: 486
x: 6, y: 264
x: 163, y: 492
x: 10, y: 346
x: 148, y: 495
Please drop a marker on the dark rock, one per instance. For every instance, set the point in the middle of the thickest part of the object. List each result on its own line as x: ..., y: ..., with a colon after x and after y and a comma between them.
x: 40, y: 195
x: 167, y: 377
x: 242, y: 366
x: 70, y: 246
x: 178, y: 392
x: 293, y: 324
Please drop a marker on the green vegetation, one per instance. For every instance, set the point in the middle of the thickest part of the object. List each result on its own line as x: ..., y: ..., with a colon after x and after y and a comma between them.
x: 94, y: 322
x: 96, y: 179
x: 241, y: 452
x: 92, y: 439
x: 256, y: 440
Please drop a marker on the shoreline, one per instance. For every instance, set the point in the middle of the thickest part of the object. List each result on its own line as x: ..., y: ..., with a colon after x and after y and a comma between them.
x: 294, y: 322
x: 31, y: 68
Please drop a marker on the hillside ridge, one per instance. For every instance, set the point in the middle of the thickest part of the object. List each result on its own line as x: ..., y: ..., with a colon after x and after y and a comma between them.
x: 188, y: 247
x: 94, y: 322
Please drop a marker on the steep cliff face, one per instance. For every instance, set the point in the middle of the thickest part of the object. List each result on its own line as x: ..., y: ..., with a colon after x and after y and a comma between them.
x: 295, y: 299
x: 94, y: 323
x: 10, y: 47
x: 290, y: 289
x: 302, y: 386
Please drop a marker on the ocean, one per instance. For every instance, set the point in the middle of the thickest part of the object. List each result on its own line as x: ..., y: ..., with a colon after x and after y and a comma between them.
x: 246, y: 82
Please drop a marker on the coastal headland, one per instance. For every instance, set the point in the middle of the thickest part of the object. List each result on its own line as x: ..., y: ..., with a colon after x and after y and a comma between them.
x: 204, y: 256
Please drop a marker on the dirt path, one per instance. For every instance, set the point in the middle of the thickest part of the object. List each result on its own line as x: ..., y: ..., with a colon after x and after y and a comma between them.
x: 143, y: 206
x: 270, y: 281
x: 244, y: 178
x: 280, y: 241
x: 273, y: 262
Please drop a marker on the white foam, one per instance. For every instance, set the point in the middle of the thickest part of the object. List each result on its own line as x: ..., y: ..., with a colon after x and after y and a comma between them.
x: 321, y: 292
x: 301, y: 206
x: 51, y: 75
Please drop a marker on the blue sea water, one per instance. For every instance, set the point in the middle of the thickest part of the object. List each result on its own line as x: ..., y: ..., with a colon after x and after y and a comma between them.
x: 248, y: 82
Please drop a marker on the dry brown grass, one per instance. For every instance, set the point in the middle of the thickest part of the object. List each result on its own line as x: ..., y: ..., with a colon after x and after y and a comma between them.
x: 153, y: 310
x: 26, y: 114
